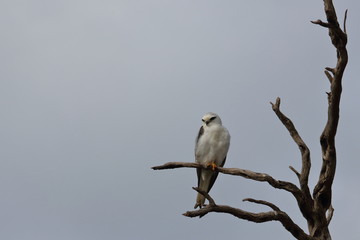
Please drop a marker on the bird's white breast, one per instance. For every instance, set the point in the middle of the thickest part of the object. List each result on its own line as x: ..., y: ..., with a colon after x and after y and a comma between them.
x: 213, y: 145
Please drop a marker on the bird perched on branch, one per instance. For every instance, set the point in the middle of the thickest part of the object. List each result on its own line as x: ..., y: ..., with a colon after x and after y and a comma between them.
x: 212, y: 145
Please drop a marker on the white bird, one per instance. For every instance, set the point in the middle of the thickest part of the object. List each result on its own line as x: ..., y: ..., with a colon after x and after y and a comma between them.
x: 212, y: 145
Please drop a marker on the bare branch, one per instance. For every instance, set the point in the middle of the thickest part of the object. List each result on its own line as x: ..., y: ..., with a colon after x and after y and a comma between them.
x: 276, y: 215
x: 304, y: 150
x: 332, y: 70
x: 172, y: 165
x: 322, y: 191
x: 321, y: 23
x: 253, y: 217
x: 305, y: 201
x: 328, y: 75
x: 261, y: 177
x: 296, y: 172
x: 269, y: 204
x: 345, y: 18
x: 206, y: 195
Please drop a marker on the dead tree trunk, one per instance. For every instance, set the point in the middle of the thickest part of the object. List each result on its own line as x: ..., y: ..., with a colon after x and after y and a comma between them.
x: 316, y: 208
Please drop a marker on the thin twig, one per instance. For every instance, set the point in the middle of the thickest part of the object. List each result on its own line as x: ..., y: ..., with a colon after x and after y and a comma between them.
x: 296, y: 172
x: 345, y: 18
x: 266, y: 203
x: 321, y: 23
x: 332, y: 70
x: 172, y: 165
x: 328, y: 75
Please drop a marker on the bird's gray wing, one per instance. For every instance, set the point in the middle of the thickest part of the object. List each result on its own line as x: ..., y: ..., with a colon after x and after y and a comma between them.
x: 214, y: 176
x: 198, y: 170
x: 201, y: 132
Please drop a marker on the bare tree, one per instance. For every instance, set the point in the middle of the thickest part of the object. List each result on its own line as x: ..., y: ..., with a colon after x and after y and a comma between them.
x: 316, y: 208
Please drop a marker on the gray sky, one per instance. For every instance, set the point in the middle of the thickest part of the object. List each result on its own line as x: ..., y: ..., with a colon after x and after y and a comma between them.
x: 94, y: 93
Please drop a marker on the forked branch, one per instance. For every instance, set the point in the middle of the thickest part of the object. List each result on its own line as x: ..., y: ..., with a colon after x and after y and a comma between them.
x: 322, y: 191
x: 304, y: 150
x: 260, y: 177
x: 305, y: 203
x: 275, y: 215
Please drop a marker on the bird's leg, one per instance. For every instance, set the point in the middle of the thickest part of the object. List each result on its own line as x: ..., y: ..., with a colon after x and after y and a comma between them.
x: 212, y: 165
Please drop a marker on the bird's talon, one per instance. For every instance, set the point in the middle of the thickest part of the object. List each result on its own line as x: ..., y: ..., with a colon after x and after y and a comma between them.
x: 213, y: 166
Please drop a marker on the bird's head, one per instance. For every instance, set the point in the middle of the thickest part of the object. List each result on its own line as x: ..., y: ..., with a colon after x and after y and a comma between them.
x: 210, y: 119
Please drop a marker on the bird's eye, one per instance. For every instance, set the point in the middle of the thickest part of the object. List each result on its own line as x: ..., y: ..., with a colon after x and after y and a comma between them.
x: 203, y: 120
x: 212, y: 118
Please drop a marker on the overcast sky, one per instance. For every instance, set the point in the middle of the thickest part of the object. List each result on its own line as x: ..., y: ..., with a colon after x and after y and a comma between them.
x: 94, y: 93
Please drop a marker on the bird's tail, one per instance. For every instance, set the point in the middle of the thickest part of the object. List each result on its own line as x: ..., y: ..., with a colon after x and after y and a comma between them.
x: 204, y: 185
x: 200, y: 201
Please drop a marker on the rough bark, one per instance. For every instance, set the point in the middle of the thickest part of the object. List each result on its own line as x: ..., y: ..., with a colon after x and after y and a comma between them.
x: 316, y: 208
